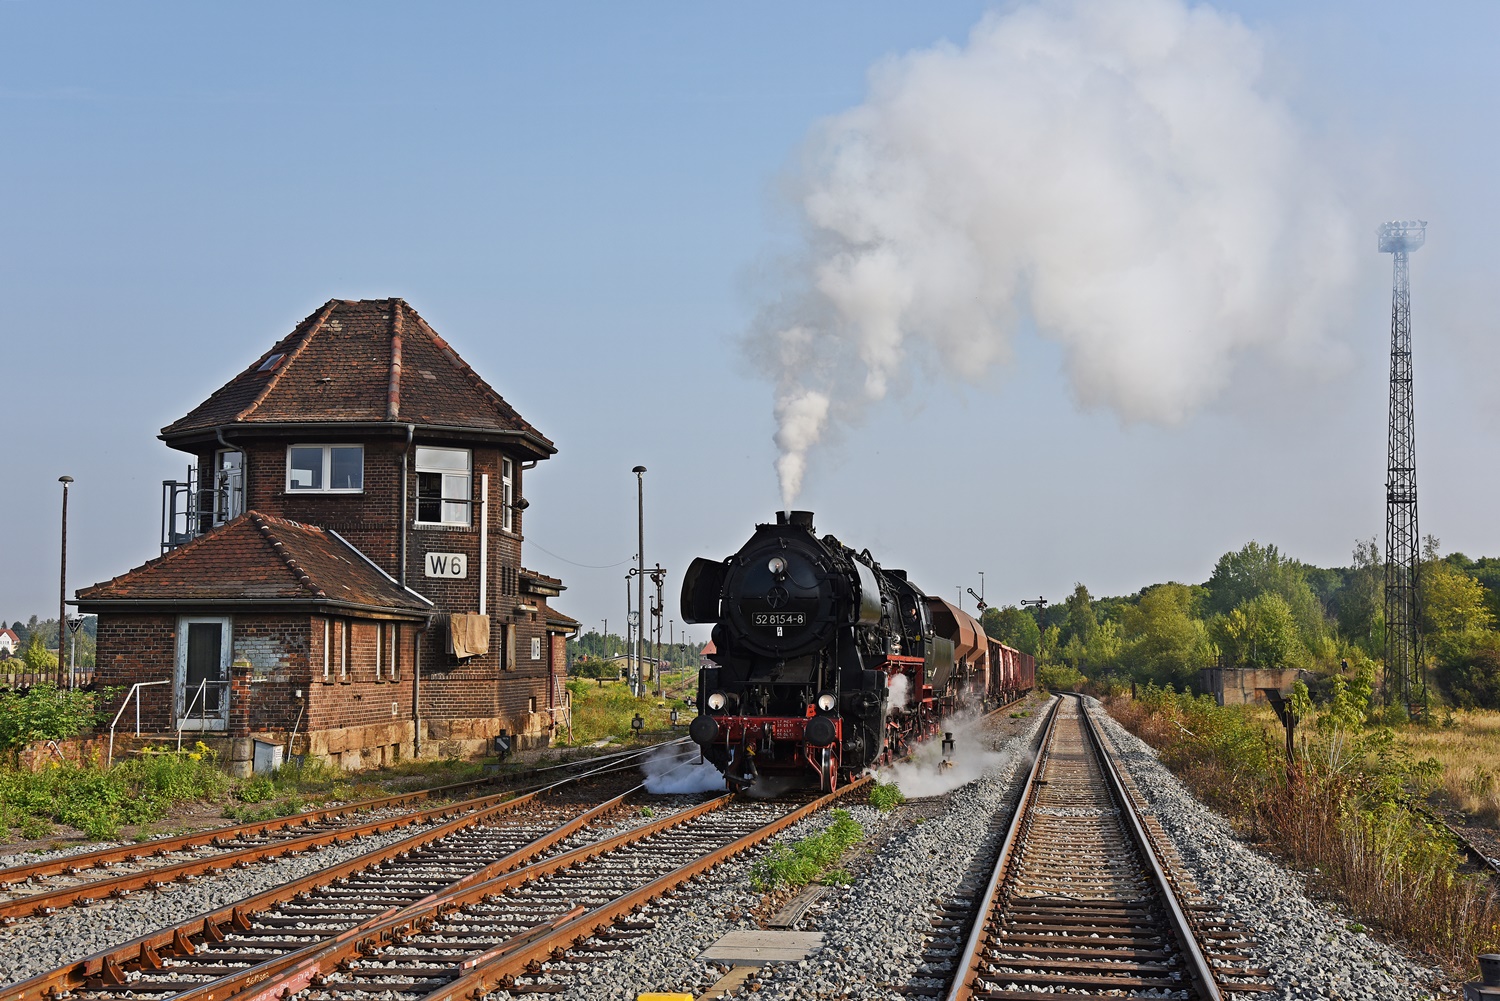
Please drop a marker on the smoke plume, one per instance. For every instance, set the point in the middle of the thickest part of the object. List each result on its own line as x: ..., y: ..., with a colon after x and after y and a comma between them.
x: 1120, y: 174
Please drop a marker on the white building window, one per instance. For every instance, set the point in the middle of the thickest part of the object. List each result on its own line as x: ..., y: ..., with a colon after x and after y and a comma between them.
x: 329, y: 469
x: 507, y: 494
x: 393, y: 653
x: 380, y: 628
x: 536, y: 648
x: 443, y: 486
x: 327, y: 648
x: 344, y: 640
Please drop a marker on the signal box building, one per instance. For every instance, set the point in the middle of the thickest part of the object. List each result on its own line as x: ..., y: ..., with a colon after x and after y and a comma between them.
x: 341, y: 570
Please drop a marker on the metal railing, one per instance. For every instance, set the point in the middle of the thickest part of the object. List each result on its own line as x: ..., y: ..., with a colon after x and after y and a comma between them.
x: 133, y: 694
x: 200, y: 694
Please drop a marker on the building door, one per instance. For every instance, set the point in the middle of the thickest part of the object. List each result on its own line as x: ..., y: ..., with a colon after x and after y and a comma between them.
x: 203, y: 646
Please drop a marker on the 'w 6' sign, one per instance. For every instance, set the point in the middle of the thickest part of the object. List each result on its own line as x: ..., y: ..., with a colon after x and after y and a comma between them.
x: 447, y: 565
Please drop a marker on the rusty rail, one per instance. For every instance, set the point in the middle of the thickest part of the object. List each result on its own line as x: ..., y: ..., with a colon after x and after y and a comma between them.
x: 108, y: 966
x: 71, y: 864
x: 480, y: 975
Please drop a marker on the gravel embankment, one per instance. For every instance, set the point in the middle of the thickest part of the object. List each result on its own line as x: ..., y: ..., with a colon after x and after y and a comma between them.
x: 874, y: 930
x: 1308, y: 946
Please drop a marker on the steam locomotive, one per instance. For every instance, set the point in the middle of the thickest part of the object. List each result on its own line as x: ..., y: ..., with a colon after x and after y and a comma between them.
x: 827, y: 663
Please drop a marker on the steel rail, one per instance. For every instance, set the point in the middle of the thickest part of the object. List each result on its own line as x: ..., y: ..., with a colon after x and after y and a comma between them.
x: 73, y: 864
x: 46, y: 903
x: 213, y: 925
x: 241, y: 980
x: 972, y: 954
x: 481, y: 975
x: 321, y: 959
x: 1198, y: 965
x: 972, y: 958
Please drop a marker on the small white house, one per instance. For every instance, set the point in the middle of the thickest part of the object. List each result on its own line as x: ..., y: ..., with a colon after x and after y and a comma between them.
x: 9, y: 643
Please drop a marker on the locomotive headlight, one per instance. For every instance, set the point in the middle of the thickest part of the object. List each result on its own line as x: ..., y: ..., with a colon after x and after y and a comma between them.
x: 716, y: 701
x: 777, y: 566
x: 826, y: 702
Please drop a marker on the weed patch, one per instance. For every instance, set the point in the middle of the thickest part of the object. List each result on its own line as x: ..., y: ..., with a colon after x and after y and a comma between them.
x: 810, y: 858
x: 886, y: 796
x: 98, y: 801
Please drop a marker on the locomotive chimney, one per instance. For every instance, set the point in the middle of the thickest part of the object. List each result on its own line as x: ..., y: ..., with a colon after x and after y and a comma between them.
x: 803, y: 519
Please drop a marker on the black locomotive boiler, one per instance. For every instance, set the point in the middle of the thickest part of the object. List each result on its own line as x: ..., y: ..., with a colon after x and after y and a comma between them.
x: 825, y: 662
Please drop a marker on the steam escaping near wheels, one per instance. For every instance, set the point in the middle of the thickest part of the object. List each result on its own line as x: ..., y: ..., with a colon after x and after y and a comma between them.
x: 924, y: 773
x: 676, y: 769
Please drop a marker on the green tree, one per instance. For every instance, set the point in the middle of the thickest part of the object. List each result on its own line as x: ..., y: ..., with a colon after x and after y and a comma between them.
x: 1105, y: 647
x: 1255, y: 570
x: 37, y: 657
x: 1165, y: 642
x: 1013, y: 627
x: 1358, y: 604
x: 1260, y: 632
x: 1048, y: 648
x: 1081, y: 620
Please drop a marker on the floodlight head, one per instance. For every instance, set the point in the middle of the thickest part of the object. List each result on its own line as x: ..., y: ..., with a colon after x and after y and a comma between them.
x: 1395, y: 237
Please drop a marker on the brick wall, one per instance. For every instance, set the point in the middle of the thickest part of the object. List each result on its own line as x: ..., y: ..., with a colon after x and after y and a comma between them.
x: 132, y: 648
x: 481, y: 693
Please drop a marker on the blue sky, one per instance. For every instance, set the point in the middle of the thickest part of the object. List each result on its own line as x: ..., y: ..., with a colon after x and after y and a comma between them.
x: 581, y: 198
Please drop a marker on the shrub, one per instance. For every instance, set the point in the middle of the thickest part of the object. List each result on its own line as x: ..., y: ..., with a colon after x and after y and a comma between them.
x: 1341, y: 807
x: 45, y: 713
x: 1059, y: 678
x: 98, y: 801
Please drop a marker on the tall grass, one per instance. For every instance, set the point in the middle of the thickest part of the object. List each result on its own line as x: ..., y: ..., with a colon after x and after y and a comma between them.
x: 1337, y: 809
x: 98, y: 801
x: 606, y: 712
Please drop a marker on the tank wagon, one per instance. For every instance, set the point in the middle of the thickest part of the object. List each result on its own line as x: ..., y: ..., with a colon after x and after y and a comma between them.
x: 826, y: 663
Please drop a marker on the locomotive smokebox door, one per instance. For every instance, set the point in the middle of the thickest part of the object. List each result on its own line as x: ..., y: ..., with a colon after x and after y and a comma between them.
x: 701, y: 586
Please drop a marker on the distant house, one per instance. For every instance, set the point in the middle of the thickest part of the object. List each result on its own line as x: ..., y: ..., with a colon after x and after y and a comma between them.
x: 9, y: 644
x: 341, y: 571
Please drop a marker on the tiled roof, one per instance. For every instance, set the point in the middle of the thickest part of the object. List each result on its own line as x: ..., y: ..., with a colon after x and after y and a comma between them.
x: 259, y: 558
x: 554, y: 618
x: 366, y: 360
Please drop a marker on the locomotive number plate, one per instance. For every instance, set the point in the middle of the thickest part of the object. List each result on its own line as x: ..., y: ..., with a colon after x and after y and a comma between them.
x: 786, y: 729
x: 779, y: 619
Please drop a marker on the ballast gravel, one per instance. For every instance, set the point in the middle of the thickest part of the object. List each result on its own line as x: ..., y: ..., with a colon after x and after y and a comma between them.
x: 873, y: 930
x: 876, y: 931
x: 35, y: 946
x: 1311, y: 948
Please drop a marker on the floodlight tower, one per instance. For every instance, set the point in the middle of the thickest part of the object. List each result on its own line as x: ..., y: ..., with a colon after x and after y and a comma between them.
x: 1405, y: 677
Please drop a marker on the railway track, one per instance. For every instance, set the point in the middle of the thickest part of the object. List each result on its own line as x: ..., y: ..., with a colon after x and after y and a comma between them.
x: 1085, y: 897
x: 438, y: 916
x: 41, y: 888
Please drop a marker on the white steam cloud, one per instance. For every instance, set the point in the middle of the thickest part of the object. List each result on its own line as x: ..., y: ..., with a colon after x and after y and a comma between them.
x: 1120, y: 172
x: 926, y: 773
x: 676, y: 769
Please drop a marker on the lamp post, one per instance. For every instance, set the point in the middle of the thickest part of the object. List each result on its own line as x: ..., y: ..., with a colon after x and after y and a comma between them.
x: 640, y: 595
x: 62, y: 585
